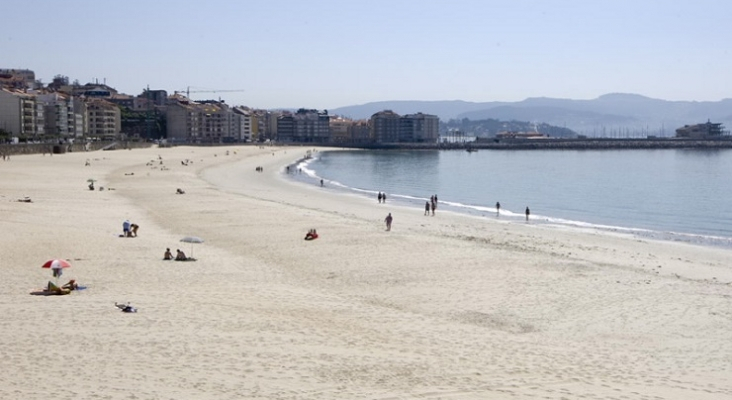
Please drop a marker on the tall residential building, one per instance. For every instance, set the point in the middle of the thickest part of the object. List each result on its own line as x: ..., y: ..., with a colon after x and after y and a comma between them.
x: 59, y: 116
x: 389, y: 127
x: 311, y: 126
x: 104, y: 118
x: 199, y: 122
x: 285, y: 127
x: 241, y: 124
x: 21, y: 114
x: 385, y: 127
x: 419, y: 128
x: 182, y: 118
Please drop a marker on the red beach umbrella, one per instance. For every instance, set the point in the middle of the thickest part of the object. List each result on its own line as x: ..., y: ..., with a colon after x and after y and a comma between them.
x: 56, y: 265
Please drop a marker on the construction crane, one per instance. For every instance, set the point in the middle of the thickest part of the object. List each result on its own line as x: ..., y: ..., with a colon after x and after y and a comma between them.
x: 188, y: 91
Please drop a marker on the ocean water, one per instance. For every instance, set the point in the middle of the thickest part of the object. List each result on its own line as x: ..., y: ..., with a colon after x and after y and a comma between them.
x: 682, y: 195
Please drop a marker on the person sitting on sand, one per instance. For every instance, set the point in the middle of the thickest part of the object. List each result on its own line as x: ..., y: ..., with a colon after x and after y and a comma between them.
x: 168, y: 255
x: 126, y: 228
x: 312, y: 234
x: 133, y: 230
x: 180, y: 256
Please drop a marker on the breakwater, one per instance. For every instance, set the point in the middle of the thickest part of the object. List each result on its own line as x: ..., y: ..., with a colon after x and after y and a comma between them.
x: 558, y: 144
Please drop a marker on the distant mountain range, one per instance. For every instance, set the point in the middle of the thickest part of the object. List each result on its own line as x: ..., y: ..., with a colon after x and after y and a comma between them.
x: 610, y: 115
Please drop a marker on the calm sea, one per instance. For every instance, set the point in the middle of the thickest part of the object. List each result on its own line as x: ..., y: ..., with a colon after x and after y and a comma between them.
x: 683, y: 195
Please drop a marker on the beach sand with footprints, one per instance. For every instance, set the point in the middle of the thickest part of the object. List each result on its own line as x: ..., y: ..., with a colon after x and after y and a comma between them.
x: 454, y: 306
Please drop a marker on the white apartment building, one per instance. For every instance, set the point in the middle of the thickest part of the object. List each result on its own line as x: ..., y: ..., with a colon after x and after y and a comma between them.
x: 241, y: 126
x: 21, y: 114
x: 59, y: 116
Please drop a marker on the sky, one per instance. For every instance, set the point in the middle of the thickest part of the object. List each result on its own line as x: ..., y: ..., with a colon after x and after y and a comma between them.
x: 325, y: 54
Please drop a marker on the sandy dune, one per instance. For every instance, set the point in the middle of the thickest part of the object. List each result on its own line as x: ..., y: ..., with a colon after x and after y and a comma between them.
x: 448, y: 306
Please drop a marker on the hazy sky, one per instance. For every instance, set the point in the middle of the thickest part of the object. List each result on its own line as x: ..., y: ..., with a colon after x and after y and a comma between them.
x: 326, y: 53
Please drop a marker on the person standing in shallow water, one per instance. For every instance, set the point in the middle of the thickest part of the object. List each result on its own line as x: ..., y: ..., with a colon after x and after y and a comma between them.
x: 388, y: 220
x: 528, y: 212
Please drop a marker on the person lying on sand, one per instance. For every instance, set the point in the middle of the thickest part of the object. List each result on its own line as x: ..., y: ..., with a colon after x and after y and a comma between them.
x: 180, y: 191
x: 312, y: 234
x: 125, y: 307
x: 53, y: 289
x: 25, y: 200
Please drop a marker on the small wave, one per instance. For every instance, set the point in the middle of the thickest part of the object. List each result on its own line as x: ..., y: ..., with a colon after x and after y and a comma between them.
x: 309, y: 175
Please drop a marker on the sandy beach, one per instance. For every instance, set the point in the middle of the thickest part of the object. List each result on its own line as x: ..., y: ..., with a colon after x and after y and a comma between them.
x: 449, y: 306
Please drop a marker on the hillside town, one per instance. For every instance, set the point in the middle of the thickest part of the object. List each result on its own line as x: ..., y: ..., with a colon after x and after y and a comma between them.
x: 65, y: 111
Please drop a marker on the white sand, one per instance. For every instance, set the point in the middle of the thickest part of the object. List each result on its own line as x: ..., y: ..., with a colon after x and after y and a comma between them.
x: 440, y: 307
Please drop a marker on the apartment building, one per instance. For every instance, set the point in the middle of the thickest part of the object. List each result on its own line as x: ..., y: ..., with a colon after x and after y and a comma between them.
x: 389, y: 127
x: 285, y: 127
x: 385, y: 127
x: 340, y: 131
x: 104, y: 118
x: 311, y: 126
x: 59, y: 117
x: 360, y: 132
x: 241, y: 124
x: 20, y: 114
x: 203, y: 122
x: 419, y: 128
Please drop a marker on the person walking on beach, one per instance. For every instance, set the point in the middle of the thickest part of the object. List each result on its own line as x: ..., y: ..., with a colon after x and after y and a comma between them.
x: 434, y: 206
x: 498, y: 208
x: 380, y: 197
x: 528, y: 212
x: 388, y: 220
x: 383, y: 197
x: 426, y: 208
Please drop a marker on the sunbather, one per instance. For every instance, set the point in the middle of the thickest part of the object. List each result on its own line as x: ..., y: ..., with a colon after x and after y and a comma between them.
x: 53, y: 289
x: 312, y: 234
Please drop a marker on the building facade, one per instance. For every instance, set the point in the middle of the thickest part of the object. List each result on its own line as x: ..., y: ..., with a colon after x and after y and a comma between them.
x: 385, y: 127
x: 389, y: 127
x: 21, y: 114
x: 311, y: 126
x: 419, y: 128
x: 104, y: 118
x: 705, y: 130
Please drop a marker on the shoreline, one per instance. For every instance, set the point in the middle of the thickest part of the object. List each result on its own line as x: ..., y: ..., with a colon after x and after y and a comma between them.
x: 443, y: 306
x: 486, y: 213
